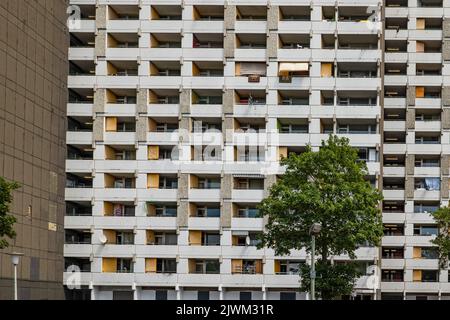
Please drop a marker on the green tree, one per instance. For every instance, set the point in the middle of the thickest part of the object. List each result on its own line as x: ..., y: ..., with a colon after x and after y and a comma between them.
x: 6, y: 220
x: 442, y: 240
x: 326, y: 187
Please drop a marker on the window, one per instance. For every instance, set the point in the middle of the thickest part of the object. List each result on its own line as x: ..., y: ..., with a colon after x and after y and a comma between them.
x: 287, y: 296
x: 392, y: 275
x: 429, y: 184
x: 203, y: 295
x: 207, y: 266
x: 429, y: 276
x: 166, y: 266
x: 124, y: 266
x: 161, y: 295
x: 125, y: 238
x: 166, y: 211
x: 211, y: 239
x: 289, y: 267
x: 429, y: 253
x: 425, y: 230
x: 245, y: 296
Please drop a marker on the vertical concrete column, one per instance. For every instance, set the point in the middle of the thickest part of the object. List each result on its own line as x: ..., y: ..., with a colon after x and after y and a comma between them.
x: 409, y: 187
x: 100, y: 43
x: 101, y: 16
x: 411, y: 96
x: 445, y: 118
x: 185, y: 101
x: 230, y: 17
x: 446, y: 50
x: 183, y: 203
x: 227, y: 205
x: 98, y: 108
x: 142, y: 120
x: 228, y: 101
x: 444, y: 187
x: 229, y: 44
x: 410, y: 118
x: 273, y: 16
x: 446, y: 96
x: 445, y: 164
x: 99, y: 101
x: 228, y: 129
x: 446, y: 27
x: 410, y: 164
x: 183, y: 213
x: 98, y: 129
x: 272, y: 45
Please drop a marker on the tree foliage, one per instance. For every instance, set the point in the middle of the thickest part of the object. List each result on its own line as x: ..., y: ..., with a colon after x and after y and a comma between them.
x: 442, y: 240
x: 6, y: 220
x: 326, y: 187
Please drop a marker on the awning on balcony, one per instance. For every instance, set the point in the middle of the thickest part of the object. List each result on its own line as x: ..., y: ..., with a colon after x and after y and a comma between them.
x: 286, y: 67
x: 253, y: 68
x: 239, y: 233
x: 250, y: 176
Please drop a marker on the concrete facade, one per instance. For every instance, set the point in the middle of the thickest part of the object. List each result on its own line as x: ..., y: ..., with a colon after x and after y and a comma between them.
x: 166, y: 214
x: 33, y: 101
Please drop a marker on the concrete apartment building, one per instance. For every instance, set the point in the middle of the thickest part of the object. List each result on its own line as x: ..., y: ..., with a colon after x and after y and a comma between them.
x: 33, y: 100
x: 179, y: 113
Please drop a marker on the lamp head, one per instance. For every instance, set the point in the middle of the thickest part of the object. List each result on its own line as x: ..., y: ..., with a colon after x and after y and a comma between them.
x: 15, y: 256
x: 315, y: 229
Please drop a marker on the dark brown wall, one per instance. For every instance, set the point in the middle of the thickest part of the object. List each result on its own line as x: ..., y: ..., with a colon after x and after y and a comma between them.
x: 33, y: 73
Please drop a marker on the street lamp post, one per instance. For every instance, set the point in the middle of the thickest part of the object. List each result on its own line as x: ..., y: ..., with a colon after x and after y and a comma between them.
x: 313, y: 231
x: 15, y: 257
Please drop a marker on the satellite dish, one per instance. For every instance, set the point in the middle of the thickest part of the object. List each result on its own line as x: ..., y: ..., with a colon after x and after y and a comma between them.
x: 247, y: 240
x: 103, y: 239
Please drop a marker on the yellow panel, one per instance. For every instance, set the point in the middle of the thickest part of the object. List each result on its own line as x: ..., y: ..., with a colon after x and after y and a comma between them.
x: 237, y: 68
x: 193, y: 181
x: 154, y: 14
x: 111, y: 42
x: 191, y: 266
x: 150, y: 265
x: 110, y: 235
x: 192, y: 209
x: 195, y: 238
x: 110, y: 97
x: 153, y: 152
x: 153, y: 181
x: 258, y: 266
x: 417, y: 275
x: 282, y: 152
x: 420, y: 92
x: 108, y: 209
x: 153, y: 97
x: 152, y: 125
x: 111, y: 69
x: 111, y: 124
x: 420, y: 24
x: 151, y: 209
x: 327, y: 69
x: 150, y: 237
x: 110, y: 153
x: 277, y: 266
x: 109, y: 265
x: 109, y: 181
x: 195, y: 14
x: 417, y: 253
x: 234, y: 208
x: 420, y: 46
x: 234, y: 240
x: 195, y: 70
x: 236, y: 266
